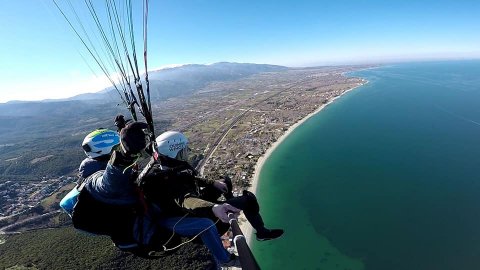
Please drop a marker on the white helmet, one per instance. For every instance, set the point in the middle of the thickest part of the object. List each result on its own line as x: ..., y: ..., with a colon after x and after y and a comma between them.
x: 100, y: 142
x: 172, y: 144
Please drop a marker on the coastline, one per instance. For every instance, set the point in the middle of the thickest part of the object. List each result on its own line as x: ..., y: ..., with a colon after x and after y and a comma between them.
x: 244, y: 226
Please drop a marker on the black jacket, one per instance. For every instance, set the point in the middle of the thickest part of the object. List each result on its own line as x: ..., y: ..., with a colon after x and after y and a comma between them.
x: 175, y: 188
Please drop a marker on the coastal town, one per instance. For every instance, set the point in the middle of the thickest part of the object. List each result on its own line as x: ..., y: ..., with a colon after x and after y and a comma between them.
x: 230, y: 125
x: 243, y: 119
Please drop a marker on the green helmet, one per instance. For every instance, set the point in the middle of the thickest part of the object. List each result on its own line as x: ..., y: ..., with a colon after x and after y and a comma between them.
x: 100, y: 142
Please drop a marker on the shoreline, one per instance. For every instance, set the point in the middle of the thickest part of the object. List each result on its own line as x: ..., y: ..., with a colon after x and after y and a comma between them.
x: 244, y: 226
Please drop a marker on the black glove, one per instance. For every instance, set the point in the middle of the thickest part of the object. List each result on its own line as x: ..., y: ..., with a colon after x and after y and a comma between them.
x: 120, y: 122
x: 133, y: 139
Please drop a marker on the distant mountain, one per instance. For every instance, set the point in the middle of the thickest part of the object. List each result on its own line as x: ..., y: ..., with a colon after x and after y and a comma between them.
x: 51, y: 115
x: 222, y: 71
x: 164, y: 83
x: 185, y: 79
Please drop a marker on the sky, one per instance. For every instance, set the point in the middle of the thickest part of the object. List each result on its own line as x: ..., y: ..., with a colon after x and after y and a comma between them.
x: 40, y: 56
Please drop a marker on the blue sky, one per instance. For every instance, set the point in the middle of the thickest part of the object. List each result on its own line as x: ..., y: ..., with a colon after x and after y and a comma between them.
x: 41, y: 57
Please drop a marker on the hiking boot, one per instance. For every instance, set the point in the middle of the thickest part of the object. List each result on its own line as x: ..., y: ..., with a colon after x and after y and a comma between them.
x: 269, y: 234
x: 233, y: 262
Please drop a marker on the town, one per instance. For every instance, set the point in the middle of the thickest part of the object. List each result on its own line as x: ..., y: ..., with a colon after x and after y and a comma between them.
x: 17, y: 197
x: 228, y: 132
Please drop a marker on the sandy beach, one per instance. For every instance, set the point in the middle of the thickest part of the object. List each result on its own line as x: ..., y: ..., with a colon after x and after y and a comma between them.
x: 245, y: 226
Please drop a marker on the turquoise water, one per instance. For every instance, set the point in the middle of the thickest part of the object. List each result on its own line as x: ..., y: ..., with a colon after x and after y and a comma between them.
x: 386, y: 177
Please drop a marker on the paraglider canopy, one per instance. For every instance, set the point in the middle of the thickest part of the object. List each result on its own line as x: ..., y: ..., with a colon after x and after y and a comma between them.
x: 107, y: 30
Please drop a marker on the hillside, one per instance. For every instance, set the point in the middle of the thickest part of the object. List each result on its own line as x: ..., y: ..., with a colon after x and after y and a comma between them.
x: 66, y: 248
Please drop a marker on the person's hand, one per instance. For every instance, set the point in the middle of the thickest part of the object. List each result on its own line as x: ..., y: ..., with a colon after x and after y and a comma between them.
x: 222, y: 210
x: 220, y: 186
x: 120, y: 122
x: 133, y: 138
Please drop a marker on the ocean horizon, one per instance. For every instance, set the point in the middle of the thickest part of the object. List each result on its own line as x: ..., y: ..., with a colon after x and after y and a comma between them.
x: 383, y: 178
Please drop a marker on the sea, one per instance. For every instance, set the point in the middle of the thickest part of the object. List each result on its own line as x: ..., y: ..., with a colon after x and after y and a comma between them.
x: 386, y: 177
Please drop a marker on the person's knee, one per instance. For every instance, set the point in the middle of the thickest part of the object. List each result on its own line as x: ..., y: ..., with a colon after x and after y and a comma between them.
x: 251, y: 203
x: 228, y: 181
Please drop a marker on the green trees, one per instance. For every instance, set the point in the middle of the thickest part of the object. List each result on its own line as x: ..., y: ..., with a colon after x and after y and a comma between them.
x: 66, y: 248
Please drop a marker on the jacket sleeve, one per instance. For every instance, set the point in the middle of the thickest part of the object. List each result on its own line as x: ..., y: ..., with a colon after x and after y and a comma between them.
x: 203, y: 182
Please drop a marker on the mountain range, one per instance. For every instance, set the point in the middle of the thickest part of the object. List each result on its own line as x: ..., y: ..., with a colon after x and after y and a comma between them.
x: 20, y: 117
x: 40, y: 128
x: 185, y: 79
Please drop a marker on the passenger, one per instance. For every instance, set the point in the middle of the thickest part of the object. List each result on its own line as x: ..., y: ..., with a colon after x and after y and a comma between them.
x: 121, y: 211
x: 175, y: 187
x: 97, y: 146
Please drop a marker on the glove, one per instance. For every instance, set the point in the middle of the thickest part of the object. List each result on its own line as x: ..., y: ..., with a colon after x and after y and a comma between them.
x: 221, y: 211
x: 120, y: 122
x: 133, y: 139
x: 220, y: 186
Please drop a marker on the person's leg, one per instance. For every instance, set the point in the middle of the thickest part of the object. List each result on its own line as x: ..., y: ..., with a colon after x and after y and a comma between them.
x: 222, y: 228
x: 205, y: 227
x: 228, y: 181
x: 249, y: 204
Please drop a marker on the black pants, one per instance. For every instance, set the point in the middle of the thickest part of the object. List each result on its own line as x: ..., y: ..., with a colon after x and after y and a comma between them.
x: 247, y: 202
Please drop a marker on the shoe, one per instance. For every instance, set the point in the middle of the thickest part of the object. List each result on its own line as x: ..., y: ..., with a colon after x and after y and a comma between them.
x: 269, y: 234
x: 233, y: 262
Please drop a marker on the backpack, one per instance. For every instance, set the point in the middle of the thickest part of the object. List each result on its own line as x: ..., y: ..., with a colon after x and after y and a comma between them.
x: 93, y: 216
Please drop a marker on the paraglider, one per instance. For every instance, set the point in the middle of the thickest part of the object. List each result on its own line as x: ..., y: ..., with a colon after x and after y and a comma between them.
x: 113, y: 48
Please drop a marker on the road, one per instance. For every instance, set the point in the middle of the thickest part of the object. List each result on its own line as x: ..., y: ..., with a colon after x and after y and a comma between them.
x: 218, y: 141
x: 23, y: 222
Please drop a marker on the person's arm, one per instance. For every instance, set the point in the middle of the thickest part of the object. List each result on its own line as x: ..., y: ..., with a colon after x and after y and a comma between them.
x: 81, y: 169
x: 205, y: 208
x: 204, y: 182
x: 220, y: 185
x: 115, y: 185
